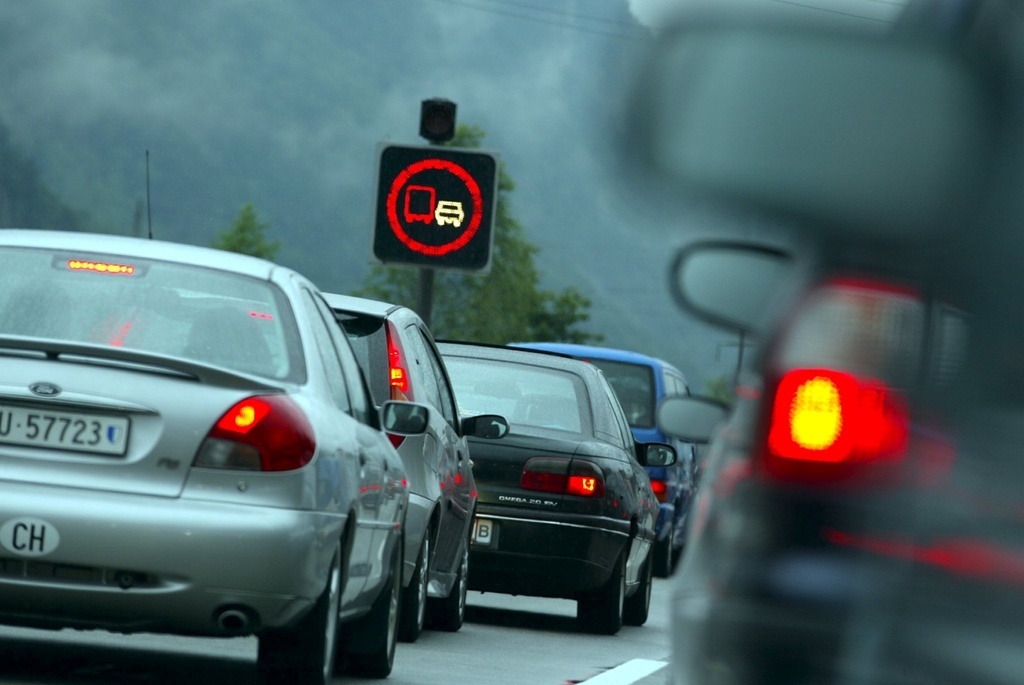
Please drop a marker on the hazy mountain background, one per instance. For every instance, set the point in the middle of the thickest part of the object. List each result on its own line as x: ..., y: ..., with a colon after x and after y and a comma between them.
x: 283, y: 104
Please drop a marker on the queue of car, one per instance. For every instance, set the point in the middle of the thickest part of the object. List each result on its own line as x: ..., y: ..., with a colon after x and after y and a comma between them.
x: 203, y: 443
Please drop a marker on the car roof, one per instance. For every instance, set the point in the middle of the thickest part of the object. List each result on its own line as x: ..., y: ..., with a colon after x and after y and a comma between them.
x: 361, y: 305
x: 597, y: 352
x: 141, y: 248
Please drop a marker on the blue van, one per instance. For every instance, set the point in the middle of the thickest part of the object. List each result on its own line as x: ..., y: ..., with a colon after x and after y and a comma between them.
x: 640, y: 382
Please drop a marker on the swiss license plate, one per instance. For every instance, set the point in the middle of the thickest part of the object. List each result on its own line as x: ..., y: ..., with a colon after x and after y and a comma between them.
x: 63, y: 430
x: 484, y: 531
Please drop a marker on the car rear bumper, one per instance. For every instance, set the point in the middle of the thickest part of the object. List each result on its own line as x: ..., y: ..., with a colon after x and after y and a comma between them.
x: 546, y: 557
x: 135, y: 563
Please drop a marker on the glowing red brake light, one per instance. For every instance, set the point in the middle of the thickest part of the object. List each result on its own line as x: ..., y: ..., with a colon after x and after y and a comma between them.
x: 827, y: 416
x: 398, y: 370
x: 265, y: 433
x: 660, y: 488
x: 562, y: 476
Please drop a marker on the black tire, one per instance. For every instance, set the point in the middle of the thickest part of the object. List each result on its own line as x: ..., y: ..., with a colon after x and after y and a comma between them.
x: 449, y: 613
x: 638, y: 605
x: 372, y: 639
x: 601, y: 612
x: 664, y: 559
x: 414, y: 597
x: 305, y: 654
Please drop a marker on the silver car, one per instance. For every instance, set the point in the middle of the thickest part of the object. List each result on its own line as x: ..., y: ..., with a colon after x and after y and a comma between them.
x: 187, y: 445
x: 401, y: 362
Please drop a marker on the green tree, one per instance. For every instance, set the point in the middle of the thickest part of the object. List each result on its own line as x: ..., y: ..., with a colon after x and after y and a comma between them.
x: 504, y: 305
x: 719, y: 388
x: 247, y: 235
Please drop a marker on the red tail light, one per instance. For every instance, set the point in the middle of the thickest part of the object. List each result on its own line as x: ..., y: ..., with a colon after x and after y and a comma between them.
x: 660, y: 488
x: 398, y: 369
x: 836, y: 409
x: 821, y: 417
x: 563, y: 477
x: 265, y: 433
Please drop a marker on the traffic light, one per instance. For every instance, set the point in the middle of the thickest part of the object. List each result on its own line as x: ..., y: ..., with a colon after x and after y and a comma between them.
x: 435, y: 207
x: 437, y: 120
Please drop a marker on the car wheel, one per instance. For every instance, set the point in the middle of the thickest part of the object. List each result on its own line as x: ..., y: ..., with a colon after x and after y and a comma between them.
x: 638, y: 605
x: 371, y: 653
x: 663, y: 555
x: 601, y: 611
x: 414, y: 597
x: 449, y: 613
x: 305, y: 654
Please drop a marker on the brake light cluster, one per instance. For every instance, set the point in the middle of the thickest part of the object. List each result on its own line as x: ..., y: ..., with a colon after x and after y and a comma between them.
x: 563, y: 476
x: 823, y: 415
x: 263, y: 433
x: 836, y: 408
x: 398, y: 369
x: 660, y: 488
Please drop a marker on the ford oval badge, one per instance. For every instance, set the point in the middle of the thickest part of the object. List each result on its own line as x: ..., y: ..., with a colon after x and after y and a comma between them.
x: 45, y: 389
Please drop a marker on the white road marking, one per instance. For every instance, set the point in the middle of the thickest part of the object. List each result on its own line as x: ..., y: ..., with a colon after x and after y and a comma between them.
x: 627, y: 673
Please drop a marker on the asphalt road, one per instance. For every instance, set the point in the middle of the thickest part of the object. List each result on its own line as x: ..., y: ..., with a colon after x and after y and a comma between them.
x: 506, y: 641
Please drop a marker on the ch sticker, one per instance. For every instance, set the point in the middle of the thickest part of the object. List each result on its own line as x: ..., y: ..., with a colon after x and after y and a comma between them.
x: 29, y: 537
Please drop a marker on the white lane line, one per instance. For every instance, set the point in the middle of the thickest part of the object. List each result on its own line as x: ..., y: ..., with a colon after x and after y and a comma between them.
x: 627, y: 673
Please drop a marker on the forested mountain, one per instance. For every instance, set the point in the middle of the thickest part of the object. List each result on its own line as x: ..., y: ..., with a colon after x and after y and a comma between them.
x: 283, y: 105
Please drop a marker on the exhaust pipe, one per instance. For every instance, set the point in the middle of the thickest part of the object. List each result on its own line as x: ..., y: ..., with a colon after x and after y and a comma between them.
x: 233, y: 620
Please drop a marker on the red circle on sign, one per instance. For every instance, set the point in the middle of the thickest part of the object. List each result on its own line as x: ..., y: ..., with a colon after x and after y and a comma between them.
x: 471, y: 186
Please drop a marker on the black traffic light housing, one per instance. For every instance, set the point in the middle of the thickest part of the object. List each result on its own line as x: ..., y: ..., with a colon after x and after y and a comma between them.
x: 437, y: 120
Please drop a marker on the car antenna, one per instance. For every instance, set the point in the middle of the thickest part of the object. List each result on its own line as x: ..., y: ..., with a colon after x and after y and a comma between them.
x: 149, y: 213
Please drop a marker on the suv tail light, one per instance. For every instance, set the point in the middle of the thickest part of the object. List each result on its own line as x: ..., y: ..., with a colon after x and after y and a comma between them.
x: 264, y: 433
x: 563, y: 477
x: 398, y: 369
x: 821, y: 416
x: 836, y: 409
x: 398, y: 375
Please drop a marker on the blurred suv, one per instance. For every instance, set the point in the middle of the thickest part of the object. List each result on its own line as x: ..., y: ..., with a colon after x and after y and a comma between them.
x: 640, y: 382
x: 861, y: 519
x: 397, y: 353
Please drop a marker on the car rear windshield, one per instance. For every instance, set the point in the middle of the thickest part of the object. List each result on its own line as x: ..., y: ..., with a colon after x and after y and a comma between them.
x: 525, y: 394
x: 369, y: 341
x: 634, y: 386
x: 205, y: 315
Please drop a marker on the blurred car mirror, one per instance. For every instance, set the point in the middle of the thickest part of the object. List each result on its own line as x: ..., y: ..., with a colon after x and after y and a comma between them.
x: 490, y: 426
x: 404, y: 418
x: 690, y: 417
x: 658, y: 454
x: 878, y: 134
x: 733, y: 284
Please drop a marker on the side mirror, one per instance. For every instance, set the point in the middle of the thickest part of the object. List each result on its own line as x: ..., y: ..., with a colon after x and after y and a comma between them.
x: 691, y: 418
x: 850, y: 131
x: 733, y: 284
x: 489, y: 426
x: 404, y: 418
x: 657, y: 454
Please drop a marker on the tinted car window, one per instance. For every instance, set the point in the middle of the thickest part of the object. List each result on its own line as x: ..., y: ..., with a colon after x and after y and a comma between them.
x: 369, y: 342
x: 425, y: 379
x: 526, y: 395
x: 435, y: 367
x: 634, y: 385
